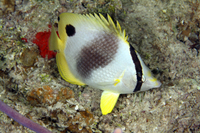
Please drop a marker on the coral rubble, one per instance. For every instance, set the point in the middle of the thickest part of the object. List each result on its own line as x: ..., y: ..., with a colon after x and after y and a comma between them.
x: 164, y: 32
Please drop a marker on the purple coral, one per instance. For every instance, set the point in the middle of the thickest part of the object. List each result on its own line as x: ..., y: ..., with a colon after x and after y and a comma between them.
x: 21, y: 119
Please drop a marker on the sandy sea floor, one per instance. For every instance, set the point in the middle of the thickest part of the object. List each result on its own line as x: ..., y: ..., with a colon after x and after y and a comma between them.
x: 164, y: 32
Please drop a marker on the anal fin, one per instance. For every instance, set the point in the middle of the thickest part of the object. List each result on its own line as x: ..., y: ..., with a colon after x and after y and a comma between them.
x: 108, y: 101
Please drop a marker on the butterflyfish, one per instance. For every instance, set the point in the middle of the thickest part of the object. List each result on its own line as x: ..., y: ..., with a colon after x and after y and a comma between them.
x: 92, y: 50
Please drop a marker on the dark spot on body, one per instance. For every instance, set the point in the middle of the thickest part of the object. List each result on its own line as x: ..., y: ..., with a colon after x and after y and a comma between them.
x: 58, y: 19
x: 70, y: 30
x: 99, y: 53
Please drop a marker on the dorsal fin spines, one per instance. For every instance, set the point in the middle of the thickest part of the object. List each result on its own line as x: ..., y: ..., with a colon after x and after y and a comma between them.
x: 120, y: 31
x: 92, y: 18
x: 118, y: 27
x: 107, y: 24
x: 111, y: 21
x: 100, y: 20
x: 97, y: 16
x: 103, y: 19
x: 88, y: 15
x: 124, y: 34
x: 126, y: 38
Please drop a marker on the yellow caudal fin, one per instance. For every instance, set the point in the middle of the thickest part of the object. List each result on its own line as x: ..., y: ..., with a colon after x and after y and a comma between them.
x: 108, y: 101
x: 65, y: 71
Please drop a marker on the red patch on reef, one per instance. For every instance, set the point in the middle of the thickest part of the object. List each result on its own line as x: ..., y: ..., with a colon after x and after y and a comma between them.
x: 42, y: 41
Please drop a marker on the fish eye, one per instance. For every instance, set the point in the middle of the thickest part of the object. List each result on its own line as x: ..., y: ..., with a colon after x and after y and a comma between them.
x: 70, y: 30
x: 58, y: 19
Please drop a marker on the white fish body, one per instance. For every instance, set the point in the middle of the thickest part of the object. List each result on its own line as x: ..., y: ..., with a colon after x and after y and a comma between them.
x: 95, y: 52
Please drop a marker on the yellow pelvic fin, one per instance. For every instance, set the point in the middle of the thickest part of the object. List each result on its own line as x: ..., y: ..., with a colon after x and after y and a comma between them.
x: 108, y: 101
x: 118, y: 80
x: 65, y: 71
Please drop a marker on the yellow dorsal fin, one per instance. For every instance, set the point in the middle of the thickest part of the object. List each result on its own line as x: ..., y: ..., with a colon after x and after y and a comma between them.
x: 124, y: 33
x: 108, y: 24
x: 126, y: 37
x: 103, y: 19
x: 98, y: 21
x: 118, y: 26
x: 111, y: 22
x: 108, y: 101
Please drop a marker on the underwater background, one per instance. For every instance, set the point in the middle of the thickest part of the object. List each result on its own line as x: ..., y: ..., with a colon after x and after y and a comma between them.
x: 164, y: 32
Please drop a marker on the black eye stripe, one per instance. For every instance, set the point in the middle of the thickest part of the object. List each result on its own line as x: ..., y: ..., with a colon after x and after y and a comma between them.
x: 138, y: 68
x: 70, y: 30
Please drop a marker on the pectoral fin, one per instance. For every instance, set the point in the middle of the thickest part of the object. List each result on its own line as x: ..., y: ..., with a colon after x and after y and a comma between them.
x: 54, y: 41
x: 108, y: 101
